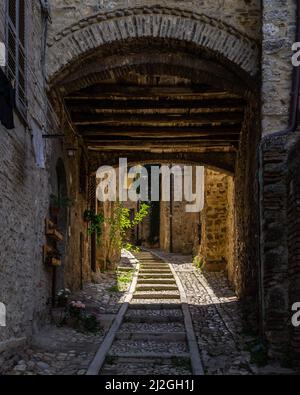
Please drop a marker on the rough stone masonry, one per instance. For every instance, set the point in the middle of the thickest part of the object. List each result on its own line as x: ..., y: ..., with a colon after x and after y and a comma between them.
x: 122, y: 57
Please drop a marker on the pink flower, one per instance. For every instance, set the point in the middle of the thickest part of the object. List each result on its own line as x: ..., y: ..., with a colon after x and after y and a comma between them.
x: 78, y: 304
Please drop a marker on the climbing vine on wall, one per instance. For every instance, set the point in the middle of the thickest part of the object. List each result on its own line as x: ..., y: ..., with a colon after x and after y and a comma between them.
x: 118, y: 223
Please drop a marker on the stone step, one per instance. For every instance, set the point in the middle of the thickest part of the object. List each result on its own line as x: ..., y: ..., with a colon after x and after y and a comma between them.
x: 155, y: 295
x: 155, y: 307
x: 148, y: 368
x: 156, y: 336
x: 150, y: 301
x: 154, y: 268
x: 154, y: 265
x: 147, y: 318
x: 150, y: 357
x: 125, y: 269
x: 155, y: 275
x: 144, y: 347
x: 156, y: 287
x: 155, y: 271
x: 152, y: 327
x: 156, y: 281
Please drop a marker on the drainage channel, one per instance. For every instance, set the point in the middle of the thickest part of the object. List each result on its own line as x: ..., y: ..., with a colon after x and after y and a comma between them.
x: 153, y: 332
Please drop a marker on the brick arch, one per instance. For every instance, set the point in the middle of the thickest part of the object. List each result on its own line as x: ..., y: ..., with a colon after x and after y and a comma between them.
x: 176, y: 64
x: 86, y: 36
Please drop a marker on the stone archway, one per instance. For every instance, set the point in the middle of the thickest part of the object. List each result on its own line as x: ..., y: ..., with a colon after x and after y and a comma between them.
x: 213, y: 36
x: 98, y: 58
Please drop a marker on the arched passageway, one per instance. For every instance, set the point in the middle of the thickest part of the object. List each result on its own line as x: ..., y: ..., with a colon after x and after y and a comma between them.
x: 167, y: 87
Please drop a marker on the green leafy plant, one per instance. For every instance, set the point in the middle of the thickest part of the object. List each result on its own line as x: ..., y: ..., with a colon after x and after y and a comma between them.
x: 120, y: 223
x: 198, y: 262
x: 123, y: 280
x: 96, y: 223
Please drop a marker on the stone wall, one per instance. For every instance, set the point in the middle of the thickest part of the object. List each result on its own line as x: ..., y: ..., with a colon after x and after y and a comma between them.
x: 293, y: 209
x: 184, y: 228
x: 279, y: 21
x: 178, y: 228
x: 182, y: 26
x: 274, y: 246
x: 242, y: 14
x: 230, y: 250
x: 25, y: 189
x: 279, y: 183
x: 217, y: 227
x: 246, y: 198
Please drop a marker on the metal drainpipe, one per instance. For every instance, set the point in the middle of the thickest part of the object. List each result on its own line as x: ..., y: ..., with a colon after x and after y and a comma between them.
x: 292, y: 126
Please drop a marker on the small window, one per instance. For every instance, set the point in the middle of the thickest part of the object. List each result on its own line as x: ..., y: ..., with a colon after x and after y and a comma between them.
x: 16, y: 51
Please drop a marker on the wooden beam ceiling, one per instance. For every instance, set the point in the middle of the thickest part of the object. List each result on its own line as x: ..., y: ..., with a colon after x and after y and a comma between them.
x: 122, y: 116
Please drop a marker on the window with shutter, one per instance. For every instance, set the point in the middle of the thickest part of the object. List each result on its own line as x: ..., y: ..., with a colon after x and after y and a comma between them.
x: 16, y: 51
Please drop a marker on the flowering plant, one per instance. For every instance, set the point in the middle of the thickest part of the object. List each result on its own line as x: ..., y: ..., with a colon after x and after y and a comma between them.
x: 76, y: 309
x: 78, y: 305
x: 76, y: 315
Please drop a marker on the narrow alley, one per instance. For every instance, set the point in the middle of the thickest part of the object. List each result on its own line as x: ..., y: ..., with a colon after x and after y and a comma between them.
x: 151, y: 337
x: 149, y: 188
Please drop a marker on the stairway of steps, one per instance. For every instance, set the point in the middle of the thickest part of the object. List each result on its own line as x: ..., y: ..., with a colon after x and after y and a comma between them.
x: 152, y: 337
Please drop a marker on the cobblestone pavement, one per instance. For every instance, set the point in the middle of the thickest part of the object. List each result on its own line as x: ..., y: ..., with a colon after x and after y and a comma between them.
x: 217, y: 319
x: 64, y: 350
x: 215, y: 311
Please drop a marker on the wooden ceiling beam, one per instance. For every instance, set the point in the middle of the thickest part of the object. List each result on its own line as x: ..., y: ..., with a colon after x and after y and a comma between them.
x: 142, y: 119
x: 127, y: 91
x: 154, y: 103
x: 132, y: 130
x: 157, y: 141
x: 180, y: 147
x: 151, y: 111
